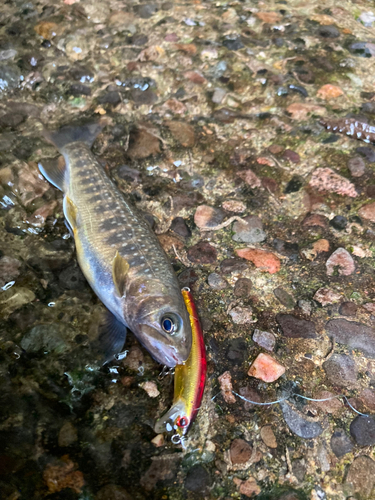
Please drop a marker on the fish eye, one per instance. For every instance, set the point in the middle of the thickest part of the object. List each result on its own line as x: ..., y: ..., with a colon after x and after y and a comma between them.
x: 169, y: 325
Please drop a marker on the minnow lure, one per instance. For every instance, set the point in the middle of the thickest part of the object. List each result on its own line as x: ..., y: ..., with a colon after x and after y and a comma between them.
x: 119, y: 254
x: 189, y: 381
x: 351, y: 127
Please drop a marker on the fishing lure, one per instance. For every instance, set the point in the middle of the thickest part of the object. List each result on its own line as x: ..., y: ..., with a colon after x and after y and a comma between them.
x: 351, y: 127
x: 189, y: 381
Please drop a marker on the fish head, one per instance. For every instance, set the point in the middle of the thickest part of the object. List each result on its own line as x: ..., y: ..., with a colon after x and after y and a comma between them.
x: 160, y: 321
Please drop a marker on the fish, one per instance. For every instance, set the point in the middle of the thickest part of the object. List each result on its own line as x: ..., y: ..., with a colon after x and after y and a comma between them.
x: 352, y: 127
x: 118, y: 253
x: 189, y: 382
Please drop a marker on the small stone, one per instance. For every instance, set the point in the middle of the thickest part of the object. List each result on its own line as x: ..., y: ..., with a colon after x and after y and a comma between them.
x: 234, y: 206
x: 151, y: 388
x: 114, y: 492
x: 362, y: 429
x: 301, y: 110
x: 357, y: 166
x: 276, y: 149
x: 339, y: 222
x: 266, y: 340
x: 240, y: 451
x: 195, y: 77
x: 180, y: 227
x: 182, y: 132
x: 158, y: 440
x: 63, y: 475
x: 206, y: 216
x: 361, y: 476
x: 249, y: 230
x: 67, y: 435
x: 250, y: 488
x: 355, y: 335
x: 284, y: 297
x: 233, y: 44
x: 268, y: 436
x: 225, y: 381
x: 266, y: 368
x: 142, y: 144
x: 367, y: 397
x: 135, y: 359
x: 341, y: 444
x: 328, y: 31
x: 269, y: 17
x: 348, y: 309
x: 367, y: 212
x: 188, y: 277
x: 305, y: 306
x: 340, y: 261
x: 329, y: 91
x: 216, y: 281
x: 332, y: 405
x: 112, y: 97
x: 250, y: 178
x: 312, y: 220
x: 341, y: 370
x: 325, y: 179
x: 296, y: 328
x: 262, y: 259
x: 293, y: 157
x: 298, y: 424
x: 228, y: 266
x: 146, y: 97
x: 326, y: 296
x: 218, y: 95
x: 242, y: 315
x: 320, y: 246
x: 367, y: 152
x: 13, y: 298
x: 145, y: 11
x: 202, y: 253
x: 243, y: 287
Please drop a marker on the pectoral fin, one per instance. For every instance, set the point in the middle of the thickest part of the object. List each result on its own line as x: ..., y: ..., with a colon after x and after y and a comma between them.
x: 70, y: 212
x: 54, y: 171
x: 120, y: 269
x: 111, y: 336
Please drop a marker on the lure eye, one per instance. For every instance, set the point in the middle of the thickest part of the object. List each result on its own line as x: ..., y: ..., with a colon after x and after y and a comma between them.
x: 182, y: 422
x: 169, y: 325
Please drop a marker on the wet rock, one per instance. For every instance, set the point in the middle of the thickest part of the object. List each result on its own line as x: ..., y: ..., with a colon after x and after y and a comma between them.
x: 63, y: 475
x: 250, y: 178
x: 216, y: 281
x: 331, y: 405
x: 182, y: 132
x: 249, y: 230
x: 284, y: 297
x: 151, y: 388
x: 206, y: 216
x: 114, y: 492
x: 348, y: 309
x: 341, y: 370
x: 361, y: 476
x: 262, y: 259
x: 11, y: 120
x: 299, y: 470
x: 329, y: 91
x: 242, y: 315
x: 293, y: 157
x: 339, y: 222
x: 48, y: 338
x: 67, y: 435
x: 326, y: 296
x: 367, y: 212
x: 266, y: 368
x: 268, y: 436
x: 240, y: 451
x: 202, y: 253
x: 198, y: 480
x: 218, y: 95
x: 298, y: 424
x: 142, y: 144
x: 112, y: 97
x: 13, y: 298
x: 242, y: 287
x: 305, y: 306
x: 367, y: 152
x: 341, y: 444
x: 296, y: 328
x: 328, y: 31
x: 312, y: 220
x: 249, y: 488
x: 72, y: 278
x: 162, y: 468
x: 357, y: 166
x: 180, y: 227
x: 266, y: 340
x: 233, y: 44
x: 228, y: 266
x: 341, y: 262
x: 145, y: 11
x: 225, y: 381
x: 325, y: 179
x: 367, y: 397
x: 195, y: 77
x: 9, y: 77
x: 355, y: 335
x: 362, y: 430
x: 147, y: 97
x: 9, y: 269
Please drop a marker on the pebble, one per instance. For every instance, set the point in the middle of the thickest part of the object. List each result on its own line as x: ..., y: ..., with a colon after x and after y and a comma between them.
x: 348, y: 309
x: 293, y: 157
x: 332, y: 405
x: 367, y: 212
x: 195, y: 77
x: 145, y: 11
x: 233, y: 44
x: 140, y: 97
x: 67, y: 435
x: 234, y: 265
x: 198, y: 480
x: 325, y: 179
x: 234, y: 206
x: 367, y: 152
x: 326, y: 296
x: 240, y: 451
x: 299, y: 425
x: 250, y: 178
x: 266, y: 340
x: 305, y: 306
x: 243, y: 287
x: 13, y: 298
x: 266, y: 368
x: 284, y: 297
x: 329, y: 91
x: 9, y: 269
x: 362, y: 430
x: 312, y: 220
x: 111, y: 97
x: 252, y: 395
x: 361, y: 476
x: 180, y: 227
x: 329, y: 31
x: 339, y: 222
x: 341, y: 370
x: 357, y: 166
x: 225, y: 381
x: 158, y: 440
x: 202, y: 253
x: 182, y: 132
x: 367, y: 396
x: 262, y: 259
x: 78, y: 89
x: 340, y: 261
x: 355, y: 335
x: 341, y: 444
x: 135, y: 359
x: 249, y: 230
x: 216, y: 281
x: 218, y: 94
x: 296, y: 328
x: 206, y: 216
x: 114, y: 492
x: 151, y: 388
x: 242, y: 315
x: 268, y: 436
x: 63, y: 475
x: 143, y: 144
x: 249, y: 488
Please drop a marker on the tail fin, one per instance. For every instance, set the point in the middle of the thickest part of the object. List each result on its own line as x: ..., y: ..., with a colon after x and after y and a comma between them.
x: 67, y: 135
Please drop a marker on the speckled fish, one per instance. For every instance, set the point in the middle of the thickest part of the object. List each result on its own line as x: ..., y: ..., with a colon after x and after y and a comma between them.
x: 189, y: 381
x: 119, y: 254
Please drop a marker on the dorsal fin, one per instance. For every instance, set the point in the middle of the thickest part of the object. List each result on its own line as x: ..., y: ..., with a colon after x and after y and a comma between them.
x: 120, y: 269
